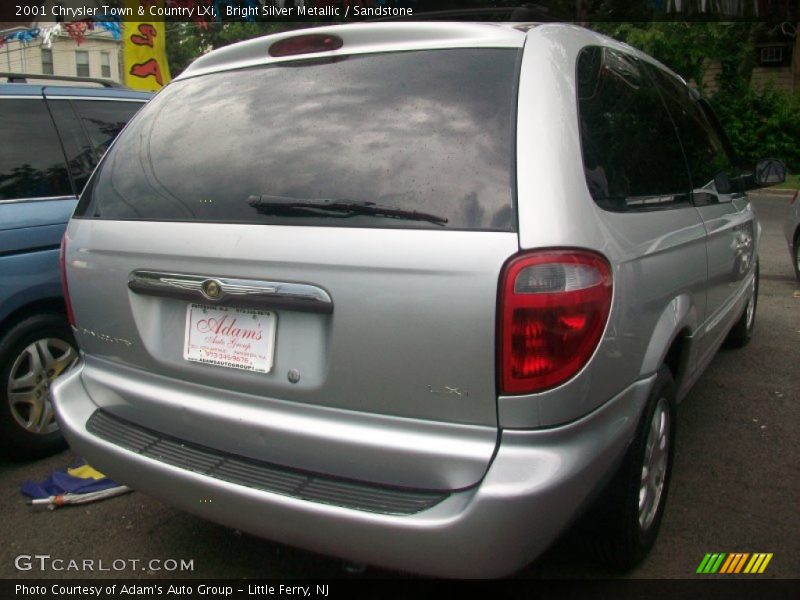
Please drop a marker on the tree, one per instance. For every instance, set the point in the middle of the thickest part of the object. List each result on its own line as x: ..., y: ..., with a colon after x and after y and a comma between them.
x: 188, y: 41
x: 760, y: 123
x: 687, y: 47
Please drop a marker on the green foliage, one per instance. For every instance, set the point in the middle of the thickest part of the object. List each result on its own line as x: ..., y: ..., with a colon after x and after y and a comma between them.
x: 187, y: 41
x: 792, y: 182
x: 761, y: 124
x: 686, y: 47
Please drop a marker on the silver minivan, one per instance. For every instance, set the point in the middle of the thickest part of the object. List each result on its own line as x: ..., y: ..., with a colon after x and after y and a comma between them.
x: 417, y: 295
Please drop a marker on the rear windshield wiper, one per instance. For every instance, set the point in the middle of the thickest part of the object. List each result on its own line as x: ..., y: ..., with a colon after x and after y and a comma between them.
x: 281, y: 205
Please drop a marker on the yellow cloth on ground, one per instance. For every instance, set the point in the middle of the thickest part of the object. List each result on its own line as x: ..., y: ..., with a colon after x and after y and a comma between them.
x: 85, y: 472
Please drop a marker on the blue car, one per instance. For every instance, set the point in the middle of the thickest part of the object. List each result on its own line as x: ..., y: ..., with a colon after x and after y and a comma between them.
x: 52, y: 138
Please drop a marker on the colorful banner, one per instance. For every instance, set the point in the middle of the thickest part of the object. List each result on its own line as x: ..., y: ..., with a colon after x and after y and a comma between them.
x: 146, y: 66
x: 77, y: 30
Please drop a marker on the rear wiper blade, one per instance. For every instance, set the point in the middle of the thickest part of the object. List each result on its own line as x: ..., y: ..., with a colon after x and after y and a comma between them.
x: 281, y: 205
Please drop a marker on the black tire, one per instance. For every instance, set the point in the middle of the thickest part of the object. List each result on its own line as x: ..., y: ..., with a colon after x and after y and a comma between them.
x: 617, y: 531
x: 34, y: 352
x: 742, y: 332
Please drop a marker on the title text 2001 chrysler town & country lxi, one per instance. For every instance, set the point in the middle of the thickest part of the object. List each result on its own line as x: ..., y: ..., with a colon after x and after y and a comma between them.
x: 417, y: 295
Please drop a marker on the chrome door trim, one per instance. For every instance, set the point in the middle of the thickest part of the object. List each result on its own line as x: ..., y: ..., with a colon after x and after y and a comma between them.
x: 239, y: 293
x: 37, y: 199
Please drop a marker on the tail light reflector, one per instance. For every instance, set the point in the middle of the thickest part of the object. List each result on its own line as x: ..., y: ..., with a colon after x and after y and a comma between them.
x: 65, y: 288
x: 553, y: 309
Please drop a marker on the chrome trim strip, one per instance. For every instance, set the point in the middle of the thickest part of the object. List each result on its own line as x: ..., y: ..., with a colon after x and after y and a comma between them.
x: 37, y: 199
x: 107, y: 98
x: 248, y: 293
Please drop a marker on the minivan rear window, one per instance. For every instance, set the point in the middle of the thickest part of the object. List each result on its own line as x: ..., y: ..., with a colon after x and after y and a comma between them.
x: 419, y: 139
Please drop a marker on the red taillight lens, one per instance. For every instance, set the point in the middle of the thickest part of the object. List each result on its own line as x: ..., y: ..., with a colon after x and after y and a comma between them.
x: 554, y: 307
x: 305, y: 44
x: 65, y: 288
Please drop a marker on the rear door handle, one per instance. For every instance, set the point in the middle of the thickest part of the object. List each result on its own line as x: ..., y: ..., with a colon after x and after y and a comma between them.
x: 237, y: 293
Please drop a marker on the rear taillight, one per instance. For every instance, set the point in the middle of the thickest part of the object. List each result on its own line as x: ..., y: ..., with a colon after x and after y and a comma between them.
x: 553, y: 310
x: 64, y: 286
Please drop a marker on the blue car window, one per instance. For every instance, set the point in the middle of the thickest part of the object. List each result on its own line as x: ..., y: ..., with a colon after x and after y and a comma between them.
x: 31, y: 160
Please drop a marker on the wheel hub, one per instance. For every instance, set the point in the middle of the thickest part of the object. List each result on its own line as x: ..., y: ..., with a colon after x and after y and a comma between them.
x: 32, y: 373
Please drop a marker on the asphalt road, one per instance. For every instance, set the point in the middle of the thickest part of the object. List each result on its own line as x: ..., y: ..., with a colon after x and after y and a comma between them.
x: 735, y: 486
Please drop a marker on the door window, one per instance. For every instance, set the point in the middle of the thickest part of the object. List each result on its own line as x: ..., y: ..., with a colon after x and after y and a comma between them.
x: 31, y: 161
x: 87, y: 127
x: 104, y: 119
x: 711, y: 166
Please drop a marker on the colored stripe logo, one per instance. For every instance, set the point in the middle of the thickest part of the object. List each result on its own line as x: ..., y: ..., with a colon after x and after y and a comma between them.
x: 735, y: 562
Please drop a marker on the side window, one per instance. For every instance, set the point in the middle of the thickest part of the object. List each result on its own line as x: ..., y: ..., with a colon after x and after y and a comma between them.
x: 104, y: 119
x: 31, y: 161
x: 81, y: 157
x: 87, y: 127
x: 631, y: 153
x: 711, y: 166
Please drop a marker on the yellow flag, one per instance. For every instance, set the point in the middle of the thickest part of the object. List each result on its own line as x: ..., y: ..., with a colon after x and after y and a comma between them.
x: 146, y: 66
x: 86, y: 472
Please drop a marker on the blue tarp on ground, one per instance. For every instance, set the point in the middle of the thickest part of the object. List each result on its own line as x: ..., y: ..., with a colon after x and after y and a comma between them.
x: 78, y: 479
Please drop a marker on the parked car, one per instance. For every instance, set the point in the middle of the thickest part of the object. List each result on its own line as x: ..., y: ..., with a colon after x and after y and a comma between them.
x: 53, y: 137
x: 791, y: 229
x: 412, y: 294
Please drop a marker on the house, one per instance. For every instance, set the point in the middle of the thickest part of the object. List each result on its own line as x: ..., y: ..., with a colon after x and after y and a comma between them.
x: 54, y: 46
x: 776, y: 63
x: 778, y: 59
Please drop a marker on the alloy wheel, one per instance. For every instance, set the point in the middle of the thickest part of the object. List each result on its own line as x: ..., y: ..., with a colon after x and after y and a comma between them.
x: 654, y: 467
x: 32, y: 373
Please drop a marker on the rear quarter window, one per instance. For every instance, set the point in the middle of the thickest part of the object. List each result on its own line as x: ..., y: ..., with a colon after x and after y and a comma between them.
x: 427, y: 131
x: 632, y: 156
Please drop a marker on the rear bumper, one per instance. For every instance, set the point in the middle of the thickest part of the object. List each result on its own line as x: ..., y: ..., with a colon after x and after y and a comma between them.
x: 537, y: 483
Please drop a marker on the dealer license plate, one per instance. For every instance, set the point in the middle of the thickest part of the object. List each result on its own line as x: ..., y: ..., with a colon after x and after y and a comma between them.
x: 230, y: 337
